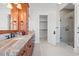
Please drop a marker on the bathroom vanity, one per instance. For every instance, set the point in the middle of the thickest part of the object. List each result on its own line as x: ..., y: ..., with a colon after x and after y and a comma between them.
x: 21, y: 45
x: 12, y: 44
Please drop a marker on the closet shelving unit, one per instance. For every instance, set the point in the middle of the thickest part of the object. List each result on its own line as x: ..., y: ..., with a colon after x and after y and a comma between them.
x: 43, y: 26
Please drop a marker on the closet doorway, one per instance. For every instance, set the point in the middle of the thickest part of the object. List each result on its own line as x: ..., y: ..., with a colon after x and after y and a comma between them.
x: 43, y: 27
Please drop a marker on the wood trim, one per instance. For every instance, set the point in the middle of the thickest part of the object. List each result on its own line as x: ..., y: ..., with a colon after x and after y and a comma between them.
x: 8, y: 31
x: 28, y: 5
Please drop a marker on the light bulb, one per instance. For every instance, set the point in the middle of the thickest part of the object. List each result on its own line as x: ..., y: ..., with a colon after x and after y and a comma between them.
x: 9, y: 5
x: 19, y: 6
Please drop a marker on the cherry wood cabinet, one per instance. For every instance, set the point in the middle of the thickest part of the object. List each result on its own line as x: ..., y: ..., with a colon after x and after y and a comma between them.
x: 7, y: 31
x: 27, y: 49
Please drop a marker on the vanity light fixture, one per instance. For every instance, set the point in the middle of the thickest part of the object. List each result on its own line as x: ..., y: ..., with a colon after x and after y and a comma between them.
x: 9, y: 5
x: 19, y: 6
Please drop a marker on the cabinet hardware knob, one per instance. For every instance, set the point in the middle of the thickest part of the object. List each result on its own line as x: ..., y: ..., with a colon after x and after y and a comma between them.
x: 29, y: 46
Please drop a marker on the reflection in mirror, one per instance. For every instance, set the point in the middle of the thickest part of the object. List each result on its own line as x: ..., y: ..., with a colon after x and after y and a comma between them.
x: 4, y: 17
x: 14, y: 17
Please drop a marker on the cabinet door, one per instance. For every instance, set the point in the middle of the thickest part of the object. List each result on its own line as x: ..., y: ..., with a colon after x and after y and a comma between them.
x: 29, y: 47
x: 21, y: 52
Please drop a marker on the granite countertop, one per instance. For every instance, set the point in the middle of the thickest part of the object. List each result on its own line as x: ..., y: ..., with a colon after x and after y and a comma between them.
x: 16, y: 44
x: 21, y: 41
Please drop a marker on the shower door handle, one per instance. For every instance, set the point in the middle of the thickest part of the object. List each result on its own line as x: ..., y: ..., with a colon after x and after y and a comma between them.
x: 54, y: 32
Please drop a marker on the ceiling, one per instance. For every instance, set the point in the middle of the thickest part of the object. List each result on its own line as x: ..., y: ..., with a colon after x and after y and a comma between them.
x: 43, y: 5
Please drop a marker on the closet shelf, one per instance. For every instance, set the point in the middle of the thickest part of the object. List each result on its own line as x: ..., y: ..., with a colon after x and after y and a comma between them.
x: 43, y: 29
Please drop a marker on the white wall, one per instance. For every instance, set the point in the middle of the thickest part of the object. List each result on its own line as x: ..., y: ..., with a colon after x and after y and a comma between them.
x: 76, y: 26
x: 53, y: 21
x: 44, y: 9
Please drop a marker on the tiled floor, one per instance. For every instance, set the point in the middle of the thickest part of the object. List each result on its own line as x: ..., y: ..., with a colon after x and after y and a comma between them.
x: 46, y: 49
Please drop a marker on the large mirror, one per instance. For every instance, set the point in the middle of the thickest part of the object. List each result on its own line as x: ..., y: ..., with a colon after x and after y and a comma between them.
x: 13, y: 17
x: 8, y: 18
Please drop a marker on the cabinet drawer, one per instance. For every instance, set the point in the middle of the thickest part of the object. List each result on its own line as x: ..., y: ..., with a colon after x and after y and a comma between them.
x: 27, y: 49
